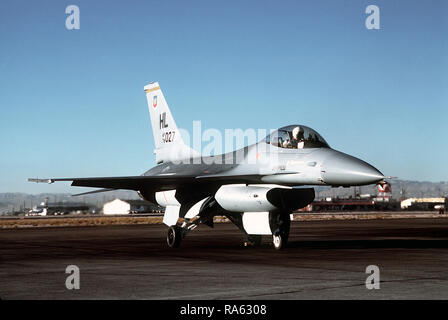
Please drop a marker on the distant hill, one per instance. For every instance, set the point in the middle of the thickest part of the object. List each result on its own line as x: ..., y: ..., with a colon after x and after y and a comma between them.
x: 400, y: 189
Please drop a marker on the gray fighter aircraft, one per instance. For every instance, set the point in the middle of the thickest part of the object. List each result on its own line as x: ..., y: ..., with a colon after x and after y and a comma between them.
x: 257, y: 187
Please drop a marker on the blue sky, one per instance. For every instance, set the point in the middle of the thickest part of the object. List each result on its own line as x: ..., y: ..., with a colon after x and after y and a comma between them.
x: 72, y: 102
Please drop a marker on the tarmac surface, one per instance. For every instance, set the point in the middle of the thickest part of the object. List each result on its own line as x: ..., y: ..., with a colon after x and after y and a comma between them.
x: 324, y: 260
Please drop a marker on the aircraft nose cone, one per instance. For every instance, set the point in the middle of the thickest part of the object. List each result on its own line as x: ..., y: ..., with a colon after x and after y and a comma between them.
x: 344, y: 170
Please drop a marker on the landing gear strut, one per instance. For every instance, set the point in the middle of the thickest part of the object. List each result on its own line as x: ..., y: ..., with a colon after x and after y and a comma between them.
x: 177, y: 233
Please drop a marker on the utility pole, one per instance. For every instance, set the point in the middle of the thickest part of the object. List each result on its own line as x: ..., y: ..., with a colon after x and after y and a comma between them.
x: 403, y: 193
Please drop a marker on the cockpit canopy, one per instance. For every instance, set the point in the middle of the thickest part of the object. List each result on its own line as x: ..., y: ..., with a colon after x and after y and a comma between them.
x: 296, y: 137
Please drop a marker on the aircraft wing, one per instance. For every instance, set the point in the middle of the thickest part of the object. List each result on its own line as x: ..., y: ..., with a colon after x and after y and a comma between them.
x: 156, y: 182
x: 130, y: 182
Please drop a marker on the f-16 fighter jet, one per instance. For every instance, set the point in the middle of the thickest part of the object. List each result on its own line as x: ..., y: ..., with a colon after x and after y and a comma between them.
x: 256, y: 187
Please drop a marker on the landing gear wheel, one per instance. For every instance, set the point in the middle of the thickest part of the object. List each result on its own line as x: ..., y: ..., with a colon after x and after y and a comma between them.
x: 280, y: 225
x: 174, y: 236
x: 278, y: 241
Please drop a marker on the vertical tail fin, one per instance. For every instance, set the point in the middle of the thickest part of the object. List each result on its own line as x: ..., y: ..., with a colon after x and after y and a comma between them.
x: 167, y: 138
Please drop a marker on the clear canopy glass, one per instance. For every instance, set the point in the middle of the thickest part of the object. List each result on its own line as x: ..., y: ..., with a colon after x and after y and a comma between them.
x: 296, y: 137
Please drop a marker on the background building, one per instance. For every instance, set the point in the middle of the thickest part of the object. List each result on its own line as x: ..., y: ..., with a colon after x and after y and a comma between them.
x: 423, y: 203
x: 118, y: 206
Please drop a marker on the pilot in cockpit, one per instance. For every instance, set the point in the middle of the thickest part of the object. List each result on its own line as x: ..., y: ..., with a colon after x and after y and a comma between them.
x: 298, y: 137
x: 297, y: 140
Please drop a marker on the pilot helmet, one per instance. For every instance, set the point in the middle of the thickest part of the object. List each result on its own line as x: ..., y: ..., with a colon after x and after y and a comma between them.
x: 295, y: 132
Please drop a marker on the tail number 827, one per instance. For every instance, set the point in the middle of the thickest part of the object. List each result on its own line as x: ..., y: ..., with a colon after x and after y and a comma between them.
x: 168, y: 136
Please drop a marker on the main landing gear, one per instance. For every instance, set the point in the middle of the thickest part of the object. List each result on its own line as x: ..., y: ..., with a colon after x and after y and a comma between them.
x: 279, y: 223
x: 174, y: 236
x: 177, y: 233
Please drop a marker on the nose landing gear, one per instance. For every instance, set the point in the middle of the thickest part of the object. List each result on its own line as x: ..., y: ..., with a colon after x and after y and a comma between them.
x: 277, y: 241
x: 280, y: 223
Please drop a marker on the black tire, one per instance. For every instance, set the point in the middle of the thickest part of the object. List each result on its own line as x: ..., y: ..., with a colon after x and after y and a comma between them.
x: 174, y: 237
